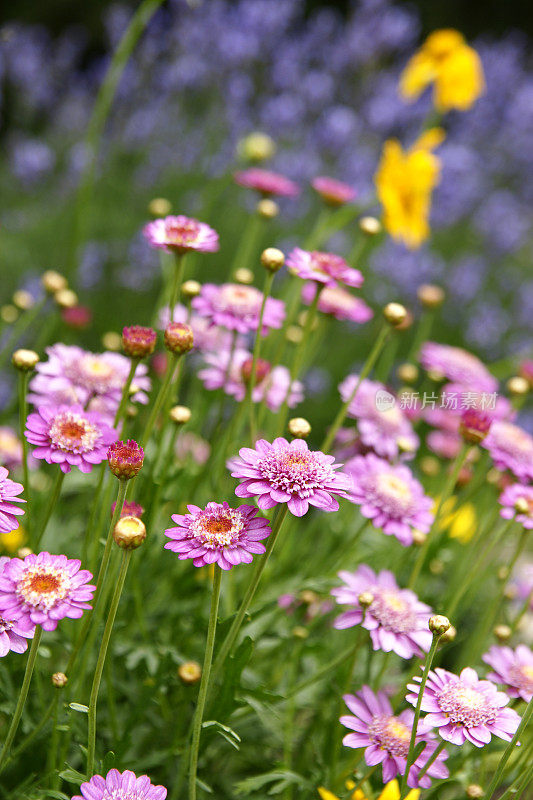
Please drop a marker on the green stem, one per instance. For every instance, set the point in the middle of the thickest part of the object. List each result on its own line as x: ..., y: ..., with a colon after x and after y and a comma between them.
x: 367, y: 367
x: 160, y: 399
x: 125, y: 392
x: 422, y: 333
x: 255, y: 356
x: 21, y: 325
x: 179, y: 262
x: 204, y: 683
x: 523, y: 610
x: 30, y: 664
x: 108, y: 630
x: 508, y: 751
x: 54, y: 497
x: 431, y: 760
x: 248, y: 242
x: 23, y: 413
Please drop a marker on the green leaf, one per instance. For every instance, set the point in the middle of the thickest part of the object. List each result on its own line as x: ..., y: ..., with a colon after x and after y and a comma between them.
x: 282, y: 776
x: 72, y: 776
x: 227, y: 733
x: 55, y: 794
x: 79, y: 707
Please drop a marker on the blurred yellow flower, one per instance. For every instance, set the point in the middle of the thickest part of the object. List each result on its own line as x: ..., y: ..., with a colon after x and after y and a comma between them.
x: 446, y: 61
x: 404, y: 182
x: 12, y: 541
x: 390, y: 792
x: 460, y: 522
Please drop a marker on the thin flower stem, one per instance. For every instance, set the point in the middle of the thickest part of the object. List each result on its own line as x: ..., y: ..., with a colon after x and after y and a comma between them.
x: 422, y: 333
x: 508, y: 751
x: 204, y: 683
x: 260, y: 565
x: 248, y: 243
x: 367, y: 368
x: 30, y: 664
x: 427, y: 667
x: 20, y: 326
x: 523, y: 610
x: 363, y: 780
x: 23, y: 413
x: 430, y: 761
x: 108, y: 630
x: 125, y: 392
x: 160, y: 399
x: 54, y: 497
x: 95, y: 506
x: 179, y: 261
x: 255, y: 356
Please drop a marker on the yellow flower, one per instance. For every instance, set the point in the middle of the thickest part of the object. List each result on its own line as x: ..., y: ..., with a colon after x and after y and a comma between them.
x: 454, y: 69
x: 404, y: 182
x: 390, y: 792
x: 459, y: 522
x: 12, y: 541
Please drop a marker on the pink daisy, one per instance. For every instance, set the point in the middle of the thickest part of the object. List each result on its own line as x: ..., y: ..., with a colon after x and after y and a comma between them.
x: 266, y: 182
x: 271, y: 386
x: 457, y: 365
x: 464, y: 708
x: 390, y: 496
x: 10, y: 448
x: 181, y: 234
x: 8, y: 496
x: 120, y: 786
x: 69, y: 436
x: 42, y: 589
x: 388, y: 432
x: 333, y: 192
x: 236, y: 307
x: 288, y: 472
x: 386, y: 738
x: 514, y: 668
x: 12, y: 636
x: 511, y: 448
x: 218, y: 534
x: 326, y: 268
x: 508, y: 499
x: 444, y: 444
x: 396, y: 618
x: 338, y: 302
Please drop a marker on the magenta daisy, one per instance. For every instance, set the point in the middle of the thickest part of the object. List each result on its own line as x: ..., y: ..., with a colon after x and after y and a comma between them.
x: 42, y: 589
x: 10, y: 448
x: 288, y: 472
x: 326, y: 268
x: 181, y: 234
x: 390, y: 497
x: 236, y: 307
x: 120, y: 786
x: 218, y: 534
x: 8, y: 497
x: 386, y: 738
x: 69, y: 436
x: 464, y: 708
x: 511, y: 448
x: 266, y: 182
x: 381, y: 423
x: 12, y: 636
x: 514, y: 668
x: 396, y: 618
x: 338, y: 302
x: 517, y: 502
x: 333, y: 192
x: 457, y: 365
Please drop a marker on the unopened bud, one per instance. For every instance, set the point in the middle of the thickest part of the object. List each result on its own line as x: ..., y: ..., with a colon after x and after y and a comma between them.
x: 112, y: 340
x: 474, y: 791
x: 294, y: 334
x: 256, y: 147
x: 407, y: 373
x: 522, y: 506
x: 370, y: 225
x: 430, y: 296
x: 395, y: 314
x: 179, y: 338
x: 244, y: 275
x: 138, y: 342
x: 22, y: 552
x: 299, y: 428
x: 25, y: 360
x: 517, y: 386
x: 299, y: 632
x: 180, y: 415
x: 474, y: 426
x: 23, y: 300
x: 53, y: 282
x: 9, y: 314
x: 159, y: 207
x: 419, y: 537
x: 502, y: 633
x: 129, y: 533
x: 272, y: 259
x: 449, y: 635
x: 430, y: 466
x: 262, y: 369
x: 125, y: 459
x: 191, y: 289
x: 308, y: 597
x: 438, y: 624
x: 365, y: 599
x: 190, y: 672
x: 405, y: 445
x: 59, y: 680
x: 267, y: 208
x: 66, y: 298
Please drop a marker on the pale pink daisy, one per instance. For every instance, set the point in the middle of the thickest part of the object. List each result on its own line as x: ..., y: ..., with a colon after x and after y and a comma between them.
x: 10, y: 448
x: 326, y: 268
x: 511, y: 448
x: 332, y: 191
x: 508, y: 500
x: 120, y: 786
x: 8, y: 497
x: 181, y: 234
x: 266, y: 182
x: 237, y: 307
x: 514, y: 668
x: 457, y: 365
x: 12, y: 636
x: 338, y: 302
x: 288, y: 472
x: 390, y: 497
x: 396, y: 618
x: 464, y: 708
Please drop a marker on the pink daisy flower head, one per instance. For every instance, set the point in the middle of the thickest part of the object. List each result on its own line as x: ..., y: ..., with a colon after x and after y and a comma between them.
x: 10, y: 448
x: 517, y: 502
x: 288, y: 472
x: 338, y: 302
x: 12, y: 636
x: 396, y: 618
x: 181, y: 235
x: 474, y: 425
x: 390, y: 497
x: 69, y: 436
x: 333, y: 192
x: 514, y: 668
x: 511, y: 448
x: 218, y: 534
x: 386, y: 738
x: 236, y: 307
x: 464, y: 708
x: 125, y: 459
x: 457, y: 365
x: 381, y: 423
x: 42, y: 589
x: 266, y: 182
x: 138, y: 342
x: 120, y: 786
x: 326, y: 268
x: 8, y: 497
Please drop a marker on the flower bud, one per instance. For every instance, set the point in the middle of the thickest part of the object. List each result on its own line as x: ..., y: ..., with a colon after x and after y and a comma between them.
x: 474, y: 791
x: 125, y: 459
x: 256, y: 147
x: 299, y: 428
x: 23, y: 300
x: 189, y: 672
x: 25, y: 360
x: 22, y: 552
x: 53, y: 282
x: 267, y: 208
x: 302, y: 319
x: 9, y: 314
x: 77, y: 317
x: 138, y: 342
x: 66, y: 298
x: 262, y: 369
x: 395, y: 314
x: 294, y: 334
x: 191, y: 289
x: 419, y: 537
x: 517, y: 386
x: 59, y: 680
x: 272, y: 259
x: 438, y: 624
x: 365, y: 599
x: 299, y: 632
x: 405, y: 445
x: 179, y: 338
x: 129, y: 533
x: 521, y: 505
x: 244, y: 275
x: 112, y: 340
x: 430, y: 296
x: 370, y: 225
x: 407, y: 373
x: 474, y: 426
x: 502, y: 633
x: 159, y: 207
x: 180, y: 415
x: 449, y: 635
